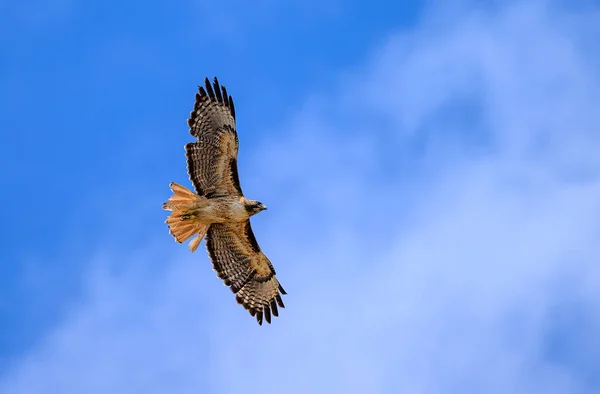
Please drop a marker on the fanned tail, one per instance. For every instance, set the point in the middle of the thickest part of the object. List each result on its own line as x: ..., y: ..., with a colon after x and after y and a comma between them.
x: 181, y: 225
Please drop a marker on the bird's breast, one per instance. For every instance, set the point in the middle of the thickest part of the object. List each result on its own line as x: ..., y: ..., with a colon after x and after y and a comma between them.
x: 226, y: 209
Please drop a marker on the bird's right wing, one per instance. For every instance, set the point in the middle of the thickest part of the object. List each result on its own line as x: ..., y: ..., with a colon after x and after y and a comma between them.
x: 238, y: 260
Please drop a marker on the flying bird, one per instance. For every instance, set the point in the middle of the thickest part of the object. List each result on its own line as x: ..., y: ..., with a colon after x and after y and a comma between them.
x: 218, y: 209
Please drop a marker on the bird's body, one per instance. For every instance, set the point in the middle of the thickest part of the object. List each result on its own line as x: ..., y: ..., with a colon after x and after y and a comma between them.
x: 224, y: 209
x: 219, y: 210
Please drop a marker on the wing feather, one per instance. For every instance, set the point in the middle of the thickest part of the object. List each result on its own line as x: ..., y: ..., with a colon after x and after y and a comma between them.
x: 212, y: 159
x: 241, y: 264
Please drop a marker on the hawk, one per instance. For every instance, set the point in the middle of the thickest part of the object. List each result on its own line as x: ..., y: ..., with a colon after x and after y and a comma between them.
x: 218, y: 210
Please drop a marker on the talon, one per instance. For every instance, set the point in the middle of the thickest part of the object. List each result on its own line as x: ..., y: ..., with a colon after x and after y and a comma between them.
x: 187, y: 216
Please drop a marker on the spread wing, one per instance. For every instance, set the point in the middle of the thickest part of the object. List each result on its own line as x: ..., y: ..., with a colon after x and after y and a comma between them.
x: 212, y: 159
x: 238, y: 260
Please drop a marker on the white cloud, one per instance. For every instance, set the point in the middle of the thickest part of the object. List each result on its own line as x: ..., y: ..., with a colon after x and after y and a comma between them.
x: 429, y: 219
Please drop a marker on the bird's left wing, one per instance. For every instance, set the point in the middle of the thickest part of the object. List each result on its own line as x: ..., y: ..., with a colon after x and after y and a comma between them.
x: 238, y: 260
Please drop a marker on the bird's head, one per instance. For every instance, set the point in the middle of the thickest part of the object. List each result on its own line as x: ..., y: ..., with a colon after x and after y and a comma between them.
x: 253, y: 207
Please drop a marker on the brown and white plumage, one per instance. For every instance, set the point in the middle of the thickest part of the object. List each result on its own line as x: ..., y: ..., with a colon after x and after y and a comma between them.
x: 219, y: 209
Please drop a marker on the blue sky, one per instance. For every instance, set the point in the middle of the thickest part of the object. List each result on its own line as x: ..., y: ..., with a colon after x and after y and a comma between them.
x: 430, y: 168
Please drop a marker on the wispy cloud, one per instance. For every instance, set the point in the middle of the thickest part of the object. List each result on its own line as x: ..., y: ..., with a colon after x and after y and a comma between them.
x: 434, y: 220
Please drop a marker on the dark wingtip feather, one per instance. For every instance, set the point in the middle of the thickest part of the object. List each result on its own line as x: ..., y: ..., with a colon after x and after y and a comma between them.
x: 259, y: 317
x: 274, y: 308
x: 218, y: 90
x: 281, y: 289
x: 279, y: 301
x: 225, y: 96
x: 209, y: 90
x: 231, y: 106
x: 267, y: 311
